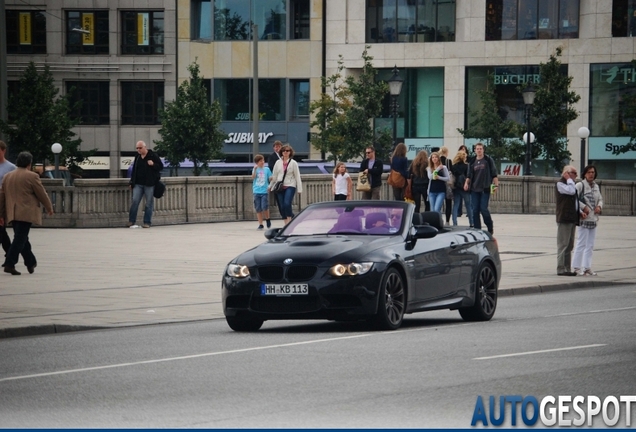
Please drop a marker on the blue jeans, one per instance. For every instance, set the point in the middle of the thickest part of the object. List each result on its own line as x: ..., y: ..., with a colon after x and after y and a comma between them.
x: 20, y: 245
x: 479, y: 201
x: 462, y: 195
x: 138, y: 192
x: 285, y: 199
x: 437, y: 200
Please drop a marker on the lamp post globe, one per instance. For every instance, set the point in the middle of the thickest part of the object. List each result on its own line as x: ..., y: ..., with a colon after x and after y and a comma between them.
x: 57, y: 149
x: 583, y: 133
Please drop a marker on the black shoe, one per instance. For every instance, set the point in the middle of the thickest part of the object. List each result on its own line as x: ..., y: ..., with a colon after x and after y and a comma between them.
x: 31, y: 269
x: 568, y: 273
x: 12, y: 270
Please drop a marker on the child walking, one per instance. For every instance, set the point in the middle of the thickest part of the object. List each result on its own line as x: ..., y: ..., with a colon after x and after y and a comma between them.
x: 260, y: 182
x: 342, y: 184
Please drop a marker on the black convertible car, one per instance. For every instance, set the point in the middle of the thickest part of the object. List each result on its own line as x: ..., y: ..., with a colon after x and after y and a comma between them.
x: 352, y: 260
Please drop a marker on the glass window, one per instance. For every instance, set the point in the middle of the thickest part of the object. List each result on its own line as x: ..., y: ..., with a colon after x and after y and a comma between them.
x: 201, y: 19
x: 299, y: 99
x: 141, y: 102
x: 532, y: 19
x: 93, y: 42
x: 271, y: 18
x: 235, y: 98
x: 95, y: 101
x: 410, y: 21
x: 299, y: 12
x: 609, y: 84
x: 142, y: 32
x: 231, y: 19
x: 26, y: 32
x: 623, y: 18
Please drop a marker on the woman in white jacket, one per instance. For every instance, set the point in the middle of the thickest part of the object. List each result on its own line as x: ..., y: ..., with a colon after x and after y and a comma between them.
x: 589, y: 198
x: 286, y: 170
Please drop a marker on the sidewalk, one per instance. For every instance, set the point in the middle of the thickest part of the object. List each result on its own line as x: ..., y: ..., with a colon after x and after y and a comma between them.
x: 112, y: 277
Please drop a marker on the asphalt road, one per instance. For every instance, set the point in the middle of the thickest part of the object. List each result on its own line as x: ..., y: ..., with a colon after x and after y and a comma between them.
x: 319, y: 374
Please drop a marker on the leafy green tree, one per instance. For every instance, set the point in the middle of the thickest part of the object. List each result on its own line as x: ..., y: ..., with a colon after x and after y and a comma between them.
x: 552, y: 112
x: 343, y: 115
x: 491, y: 127
x: 39, y: 117
x: 190, y: 125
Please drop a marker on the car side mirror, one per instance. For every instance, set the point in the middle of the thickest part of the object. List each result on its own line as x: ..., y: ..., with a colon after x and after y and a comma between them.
x: 424, y: 231
x: 271, y: 233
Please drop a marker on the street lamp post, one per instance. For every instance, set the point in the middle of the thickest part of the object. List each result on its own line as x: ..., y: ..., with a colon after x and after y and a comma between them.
x: 57, y: 149
x: 395, y: 88
x: 583, y: 133
x: 528, y: 99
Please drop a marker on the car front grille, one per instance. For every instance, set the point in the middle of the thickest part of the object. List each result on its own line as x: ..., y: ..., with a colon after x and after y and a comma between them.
x: 297, y: 273
x: 293, y: 304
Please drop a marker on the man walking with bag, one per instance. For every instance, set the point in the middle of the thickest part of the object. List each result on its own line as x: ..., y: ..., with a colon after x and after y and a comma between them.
x: 145, y: 175
x: 20, y: 198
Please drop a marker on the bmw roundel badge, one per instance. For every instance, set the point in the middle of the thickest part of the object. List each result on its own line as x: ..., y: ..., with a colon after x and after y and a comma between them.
x: 288, y: 261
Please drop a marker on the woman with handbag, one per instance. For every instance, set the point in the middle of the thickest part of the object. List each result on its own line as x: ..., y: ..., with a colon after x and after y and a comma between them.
x: 419, y: 180
x: 398, y: 175
x: 460, y: 171
x: 286, y: 182
x: 448, y: 201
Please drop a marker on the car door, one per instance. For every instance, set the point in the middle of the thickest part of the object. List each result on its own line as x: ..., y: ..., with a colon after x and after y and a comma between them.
x: 435, y: 267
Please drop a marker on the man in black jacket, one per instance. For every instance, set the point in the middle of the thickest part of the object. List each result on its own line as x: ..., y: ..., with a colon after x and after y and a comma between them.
x: 373, y: 168
x: 145, y: 175
x: 567, y: 217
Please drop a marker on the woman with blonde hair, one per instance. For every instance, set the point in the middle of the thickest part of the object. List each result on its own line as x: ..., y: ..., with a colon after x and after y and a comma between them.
x: 399, y: 164
x: 460, y: 171
x: 419, y: 180
x: 286, y: 170
x: 438, y: 176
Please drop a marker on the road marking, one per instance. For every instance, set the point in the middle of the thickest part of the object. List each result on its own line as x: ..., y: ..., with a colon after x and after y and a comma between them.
x: 540, y: 352
x: 194, y: 356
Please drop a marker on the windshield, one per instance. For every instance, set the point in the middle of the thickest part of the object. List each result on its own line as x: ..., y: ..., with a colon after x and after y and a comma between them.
x: 364, y: 219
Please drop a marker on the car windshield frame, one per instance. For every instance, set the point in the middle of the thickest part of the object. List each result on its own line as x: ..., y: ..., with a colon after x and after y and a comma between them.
x: 379, y: 218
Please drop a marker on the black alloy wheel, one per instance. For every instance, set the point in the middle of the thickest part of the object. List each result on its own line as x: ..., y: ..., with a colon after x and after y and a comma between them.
x: 392, y: 301
x: 485, y: 296
x: 244, y: 323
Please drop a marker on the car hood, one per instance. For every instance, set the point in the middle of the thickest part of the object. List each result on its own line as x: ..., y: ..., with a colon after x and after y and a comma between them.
x: 315, y: 250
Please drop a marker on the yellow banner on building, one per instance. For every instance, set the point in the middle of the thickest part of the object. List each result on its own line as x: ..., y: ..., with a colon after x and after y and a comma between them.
x: 143, y: 30
x: 88, y: 20
x: 25, y: 28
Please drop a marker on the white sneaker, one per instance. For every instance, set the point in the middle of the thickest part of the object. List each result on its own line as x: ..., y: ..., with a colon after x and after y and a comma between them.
x: 579, y: 272
x: 589, y: 272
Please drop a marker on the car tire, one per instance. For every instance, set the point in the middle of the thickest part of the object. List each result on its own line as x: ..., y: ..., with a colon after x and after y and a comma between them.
x: 244, y: 323
x: 391, y: 302
x: 485, y: 296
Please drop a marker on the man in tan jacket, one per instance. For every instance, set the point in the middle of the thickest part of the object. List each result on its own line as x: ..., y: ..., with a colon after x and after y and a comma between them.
x: 20, y: 198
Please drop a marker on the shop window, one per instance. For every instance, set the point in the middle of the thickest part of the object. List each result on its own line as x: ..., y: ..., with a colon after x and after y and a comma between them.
x: 532, y: 19
x: 235, y: 98
x: 93, y: 39
x: 26, y: 32
x: 141, y: 102
x: 623, y: 18
x: 410, y: 21
x: 142, y: 32
x: 95, y: 101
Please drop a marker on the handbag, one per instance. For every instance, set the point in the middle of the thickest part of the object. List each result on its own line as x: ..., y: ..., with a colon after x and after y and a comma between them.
x: 363, y: 184
x: 278, y: 186
x: 396, y: 179
x: 408, y: 192
x: 160, y: 189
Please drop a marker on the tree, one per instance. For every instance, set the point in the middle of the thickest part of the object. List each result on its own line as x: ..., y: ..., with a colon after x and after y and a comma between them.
x: 500, y: 135
x: 190, y: 125
x: 39, y: 118
x: 552, y: 112
x: 343, y: 115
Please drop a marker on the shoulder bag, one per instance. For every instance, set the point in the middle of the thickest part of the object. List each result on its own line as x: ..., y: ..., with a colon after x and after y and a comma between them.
x: 278, y: 186
x: 363, y: 184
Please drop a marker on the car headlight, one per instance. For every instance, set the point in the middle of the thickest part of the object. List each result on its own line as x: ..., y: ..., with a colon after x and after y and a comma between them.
x: 237, y: 271
x: 353, y: 269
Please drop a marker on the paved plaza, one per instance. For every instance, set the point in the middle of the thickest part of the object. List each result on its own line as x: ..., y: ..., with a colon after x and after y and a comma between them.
x: 113, y: 277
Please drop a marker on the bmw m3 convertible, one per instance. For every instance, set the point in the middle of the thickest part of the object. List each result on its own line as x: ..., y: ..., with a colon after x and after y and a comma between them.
x: 362, y: 260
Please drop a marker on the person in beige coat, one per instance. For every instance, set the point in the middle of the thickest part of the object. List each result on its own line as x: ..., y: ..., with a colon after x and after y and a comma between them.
x: 21, y: 194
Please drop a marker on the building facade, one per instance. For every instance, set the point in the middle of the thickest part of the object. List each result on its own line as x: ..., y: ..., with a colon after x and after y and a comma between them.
x: 117, y: 56
x: 445, y: 50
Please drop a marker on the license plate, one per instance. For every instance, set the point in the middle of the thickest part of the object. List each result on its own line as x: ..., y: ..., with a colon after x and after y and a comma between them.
x: 284, y: 289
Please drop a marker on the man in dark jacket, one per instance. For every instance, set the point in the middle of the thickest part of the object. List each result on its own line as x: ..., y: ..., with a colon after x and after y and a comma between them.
x: 482, y: 173
x: 567, y: 217
x: 145, y: 175
x: 373, y: 168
